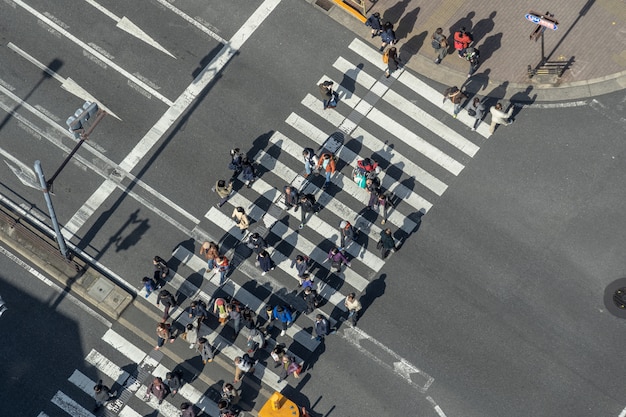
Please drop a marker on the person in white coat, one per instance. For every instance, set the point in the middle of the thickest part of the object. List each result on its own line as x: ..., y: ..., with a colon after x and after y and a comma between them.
x: 499, y: 117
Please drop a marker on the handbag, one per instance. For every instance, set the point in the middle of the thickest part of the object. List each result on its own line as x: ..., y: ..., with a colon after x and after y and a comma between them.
x: 471, y: 112
x: 379, y: 245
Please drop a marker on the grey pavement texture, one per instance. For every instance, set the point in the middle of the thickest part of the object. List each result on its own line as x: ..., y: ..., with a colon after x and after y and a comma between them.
x: 592, y: 32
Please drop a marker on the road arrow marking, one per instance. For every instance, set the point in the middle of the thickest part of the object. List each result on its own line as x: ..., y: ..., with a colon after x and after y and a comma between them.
x: 67, y: 84
x: 129, y: 27
x: 22, y: 172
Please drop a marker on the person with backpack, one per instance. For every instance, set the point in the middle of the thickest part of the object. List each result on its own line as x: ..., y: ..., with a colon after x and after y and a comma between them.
x: 256, y: 243
x: 348, y: 234
x: 327, y: 163
x: 149, y: 285
x: 472, y: 55
x: 391, y: 58
x: 375, y: 23
x: 337, y: 259
x: 456, y: 96
x: 462, y: 40
x: 235, y: 164
x: 223, y: 190
x: 284, y: 316
x: 220, y: 310
x: 168, y: 301
x: 265, y: 262
x: 291, y: 197
x: 329, y: 97
x: 310, y: 161
x: 440, y: 44
x: 307, y: 205
x: 388, y: 36
x: 243, y: 365
x: 477, y: 111
x: 386, y: 243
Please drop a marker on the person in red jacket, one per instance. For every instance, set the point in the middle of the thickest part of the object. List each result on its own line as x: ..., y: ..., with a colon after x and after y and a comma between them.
x: 462, y: 41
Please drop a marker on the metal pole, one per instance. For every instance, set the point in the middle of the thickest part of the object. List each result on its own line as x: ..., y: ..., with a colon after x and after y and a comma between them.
x: 55, y: 224
x: 83, y: 137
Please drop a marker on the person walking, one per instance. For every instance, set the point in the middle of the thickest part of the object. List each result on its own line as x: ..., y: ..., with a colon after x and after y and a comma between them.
x: 168, y: 301
x: 187, y: 410
x: 301, y: 265
x: 477, y: 111
x: 223, y: 190
x: 234, y: 315
x: 161, y: 270
x: 174, y: 381
x: 158, y: 389
x: 291, y: 197
x: 462, y: 40
x: 472, y: 55
x: 374, y: 22
x: 102, y: 395
x: 149, y: 285
x: 329, y: 97
x: 230, y: 394
x: 256, y: 243
x: 348, y: 234
x: 204, y: 348
x: 337, y: 259
x: 265, y: 262
x: 388, y: 36
x: 241, y: 218
x: 372, y: 186
x: 327, y: 163
x: 235, y: 164
x: 190, y: 335
x: 353, y: 306
x: 284, y: 317
x: 499, y: 117
x: 277, y: 354
x: 307, y: 205
x: 164, y: 332
x: 440, y: 45
x: 322, y: 328
x: 393, y: 61
x: 311, y: 299
x: 269, y: 320
x: 220, y: 309
x: 247, y: 172
x: 243, y: 365
x: 456, y: 96
x: 287, y: 367
x: 198, y: 310
x: 310, y: 161
x: 222, y: 266
x: 383, y: 204
x: 386, y: 243
x: 211, y: 251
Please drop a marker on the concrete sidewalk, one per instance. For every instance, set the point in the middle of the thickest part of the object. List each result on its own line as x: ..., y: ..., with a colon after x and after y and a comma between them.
x: 591, y: 32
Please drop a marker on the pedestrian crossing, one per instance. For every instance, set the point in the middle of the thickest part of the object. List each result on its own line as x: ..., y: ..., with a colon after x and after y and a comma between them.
x: 420, y: 153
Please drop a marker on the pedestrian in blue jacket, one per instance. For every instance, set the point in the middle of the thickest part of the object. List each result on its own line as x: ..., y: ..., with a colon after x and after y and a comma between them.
x: 283, y: 315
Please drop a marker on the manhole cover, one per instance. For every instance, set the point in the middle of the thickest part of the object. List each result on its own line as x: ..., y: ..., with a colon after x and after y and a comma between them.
x: 619, y: 298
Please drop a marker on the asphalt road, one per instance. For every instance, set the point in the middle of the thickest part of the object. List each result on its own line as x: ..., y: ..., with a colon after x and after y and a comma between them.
x: 497, y: 297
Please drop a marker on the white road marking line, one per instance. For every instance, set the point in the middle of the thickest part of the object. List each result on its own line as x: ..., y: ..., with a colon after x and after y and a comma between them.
x: 49, y: 283
x: 178, y: 108
x: 122, y: 345
x: 191, y: 20
x: 66, y: 83
x: 129, y: 27
x: 93, y: 51
x: 70, y: 406
x: 623, y: 413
